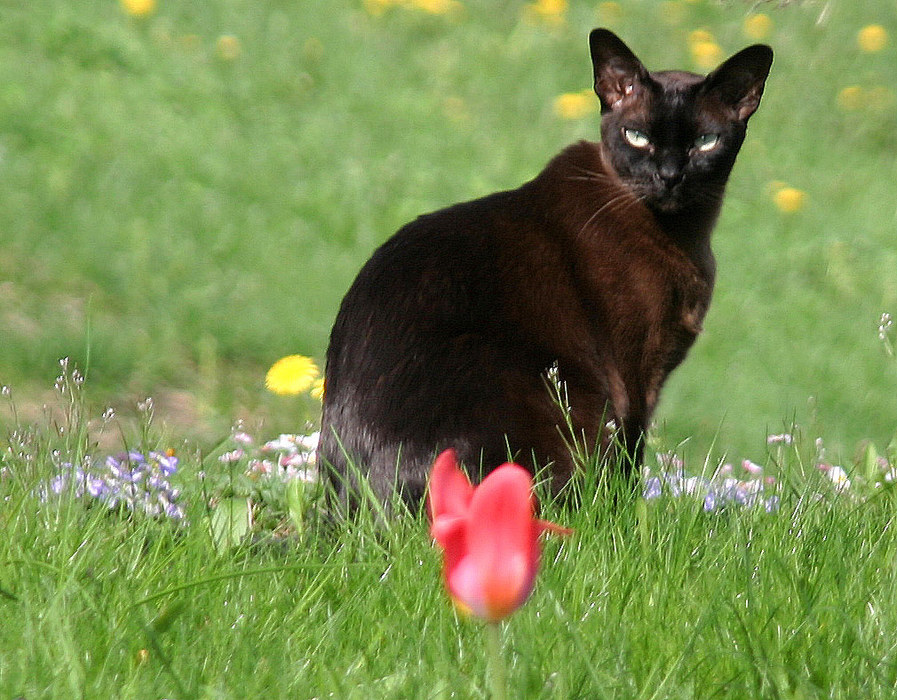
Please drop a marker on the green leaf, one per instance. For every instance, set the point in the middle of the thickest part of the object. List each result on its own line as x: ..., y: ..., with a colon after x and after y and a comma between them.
x: 166, y: 616
x: 297, y: 502
x: 230, y: 522
x: 871, y: 468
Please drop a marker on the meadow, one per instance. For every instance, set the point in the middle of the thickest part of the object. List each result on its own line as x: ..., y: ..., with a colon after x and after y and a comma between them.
x: 187, y: 191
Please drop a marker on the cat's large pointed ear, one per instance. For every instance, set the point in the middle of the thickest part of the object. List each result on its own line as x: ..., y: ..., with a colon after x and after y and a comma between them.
x: 619, y: 75
x: 738, y: 83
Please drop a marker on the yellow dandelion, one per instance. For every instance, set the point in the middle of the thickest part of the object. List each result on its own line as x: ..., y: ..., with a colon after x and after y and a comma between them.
x: 551, y: 7
x: 789, y: 200
x: 437, y: 7
x: 318, y: 389
x: 851, y: 98
x: 290, y: 375
x: 546, y: 11
x: 706, y: 54
x: 698, y: 36
x: 872, y: 38
x: 575, y: 105
x: 228, y: 47
x: 757, y: 27
x: 138, y: 8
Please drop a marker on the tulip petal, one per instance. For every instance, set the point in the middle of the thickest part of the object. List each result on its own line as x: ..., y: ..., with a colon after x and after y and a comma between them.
x: 450, y: 490
x: 450, y: 531
x: 501, y: 541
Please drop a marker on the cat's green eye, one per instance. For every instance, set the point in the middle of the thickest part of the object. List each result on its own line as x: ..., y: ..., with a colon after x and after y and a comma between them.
x: 636, y: 138
x: 706, y: 142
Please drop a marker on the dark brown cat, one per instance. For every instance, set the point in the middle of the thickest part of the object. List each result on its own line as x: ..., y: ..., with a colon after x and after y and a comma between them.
x: 601, y: 267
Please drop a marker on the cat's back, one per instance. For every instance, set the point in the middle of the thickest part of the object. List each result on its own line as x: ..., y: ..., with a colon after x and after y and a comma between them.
x: 436, y: 278
x: 445, y: 262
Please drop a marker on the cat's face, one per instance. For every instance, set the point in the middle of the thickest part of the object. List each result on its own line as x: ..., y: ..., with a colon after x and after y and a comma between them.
x: 672, y: 136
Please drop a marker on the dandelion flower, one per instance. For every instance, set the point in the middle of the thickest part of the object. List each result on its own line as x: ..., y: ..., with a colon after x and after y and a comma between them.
x: 700, y: 35
x: 575, y: 105
x: 138, y: 8
x: 547, y: 11
x: 789, y: 200
x: 851, y: 98
x: 706, y: 54
x: 318, y: 388
x: 872, y: 38
x: 290, y: 375
x: 551, y: 7
x: 757, y: 26
x: 227, y: 47
x: 437, y: 7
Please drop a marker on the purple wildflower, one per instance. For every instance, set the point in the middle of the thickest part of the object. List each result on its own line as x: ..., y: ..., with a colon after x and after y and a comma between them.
x: 714, y: 493
x: 128, y: 480
x: 653, y: 488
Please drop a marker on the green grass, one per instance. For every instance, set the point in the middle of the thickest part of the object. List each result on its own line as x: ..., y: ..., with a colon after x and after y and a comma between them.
x: 647, y: 599
x: 175, y: 222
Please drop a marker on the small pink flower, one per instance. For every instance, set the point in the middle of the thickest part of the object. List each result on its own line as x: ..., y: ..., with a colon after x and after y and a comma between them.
x: 751, y: 467
x: 258, y: 466
x: 489, y: 535
x: 781, y: 439
x: 232, y: 456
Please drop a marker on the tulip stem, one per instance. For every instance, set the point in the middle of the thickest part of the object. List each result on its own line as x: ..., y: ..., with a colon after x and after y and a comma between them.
x: 497, y: 673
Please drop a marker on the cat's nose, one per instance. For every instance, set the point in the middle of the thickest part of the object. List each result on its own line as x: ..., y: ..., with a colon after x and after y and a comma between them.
x: 669, y: 174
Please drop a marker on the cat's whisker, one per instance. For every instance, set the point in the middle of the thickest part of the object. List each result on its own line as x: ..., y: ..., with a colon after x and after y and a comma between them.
x: 589, y: 175
x: 616, y: 204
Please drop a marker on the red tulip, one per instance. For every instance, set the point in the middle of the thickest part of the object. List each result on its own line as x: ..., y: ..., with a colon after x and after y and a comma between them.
x: 489, y: 535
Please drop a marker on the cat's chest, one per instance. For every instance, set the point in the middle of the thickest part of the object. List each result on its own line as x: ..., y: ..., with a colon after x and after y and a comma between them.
x: 647, y: 292
x: 689, y: 300
x: 658, y: 337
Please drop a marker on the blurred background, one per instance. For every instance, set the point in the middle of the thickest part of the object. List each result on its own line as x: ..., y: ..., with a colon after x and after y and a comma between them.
x: 187, y: 189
